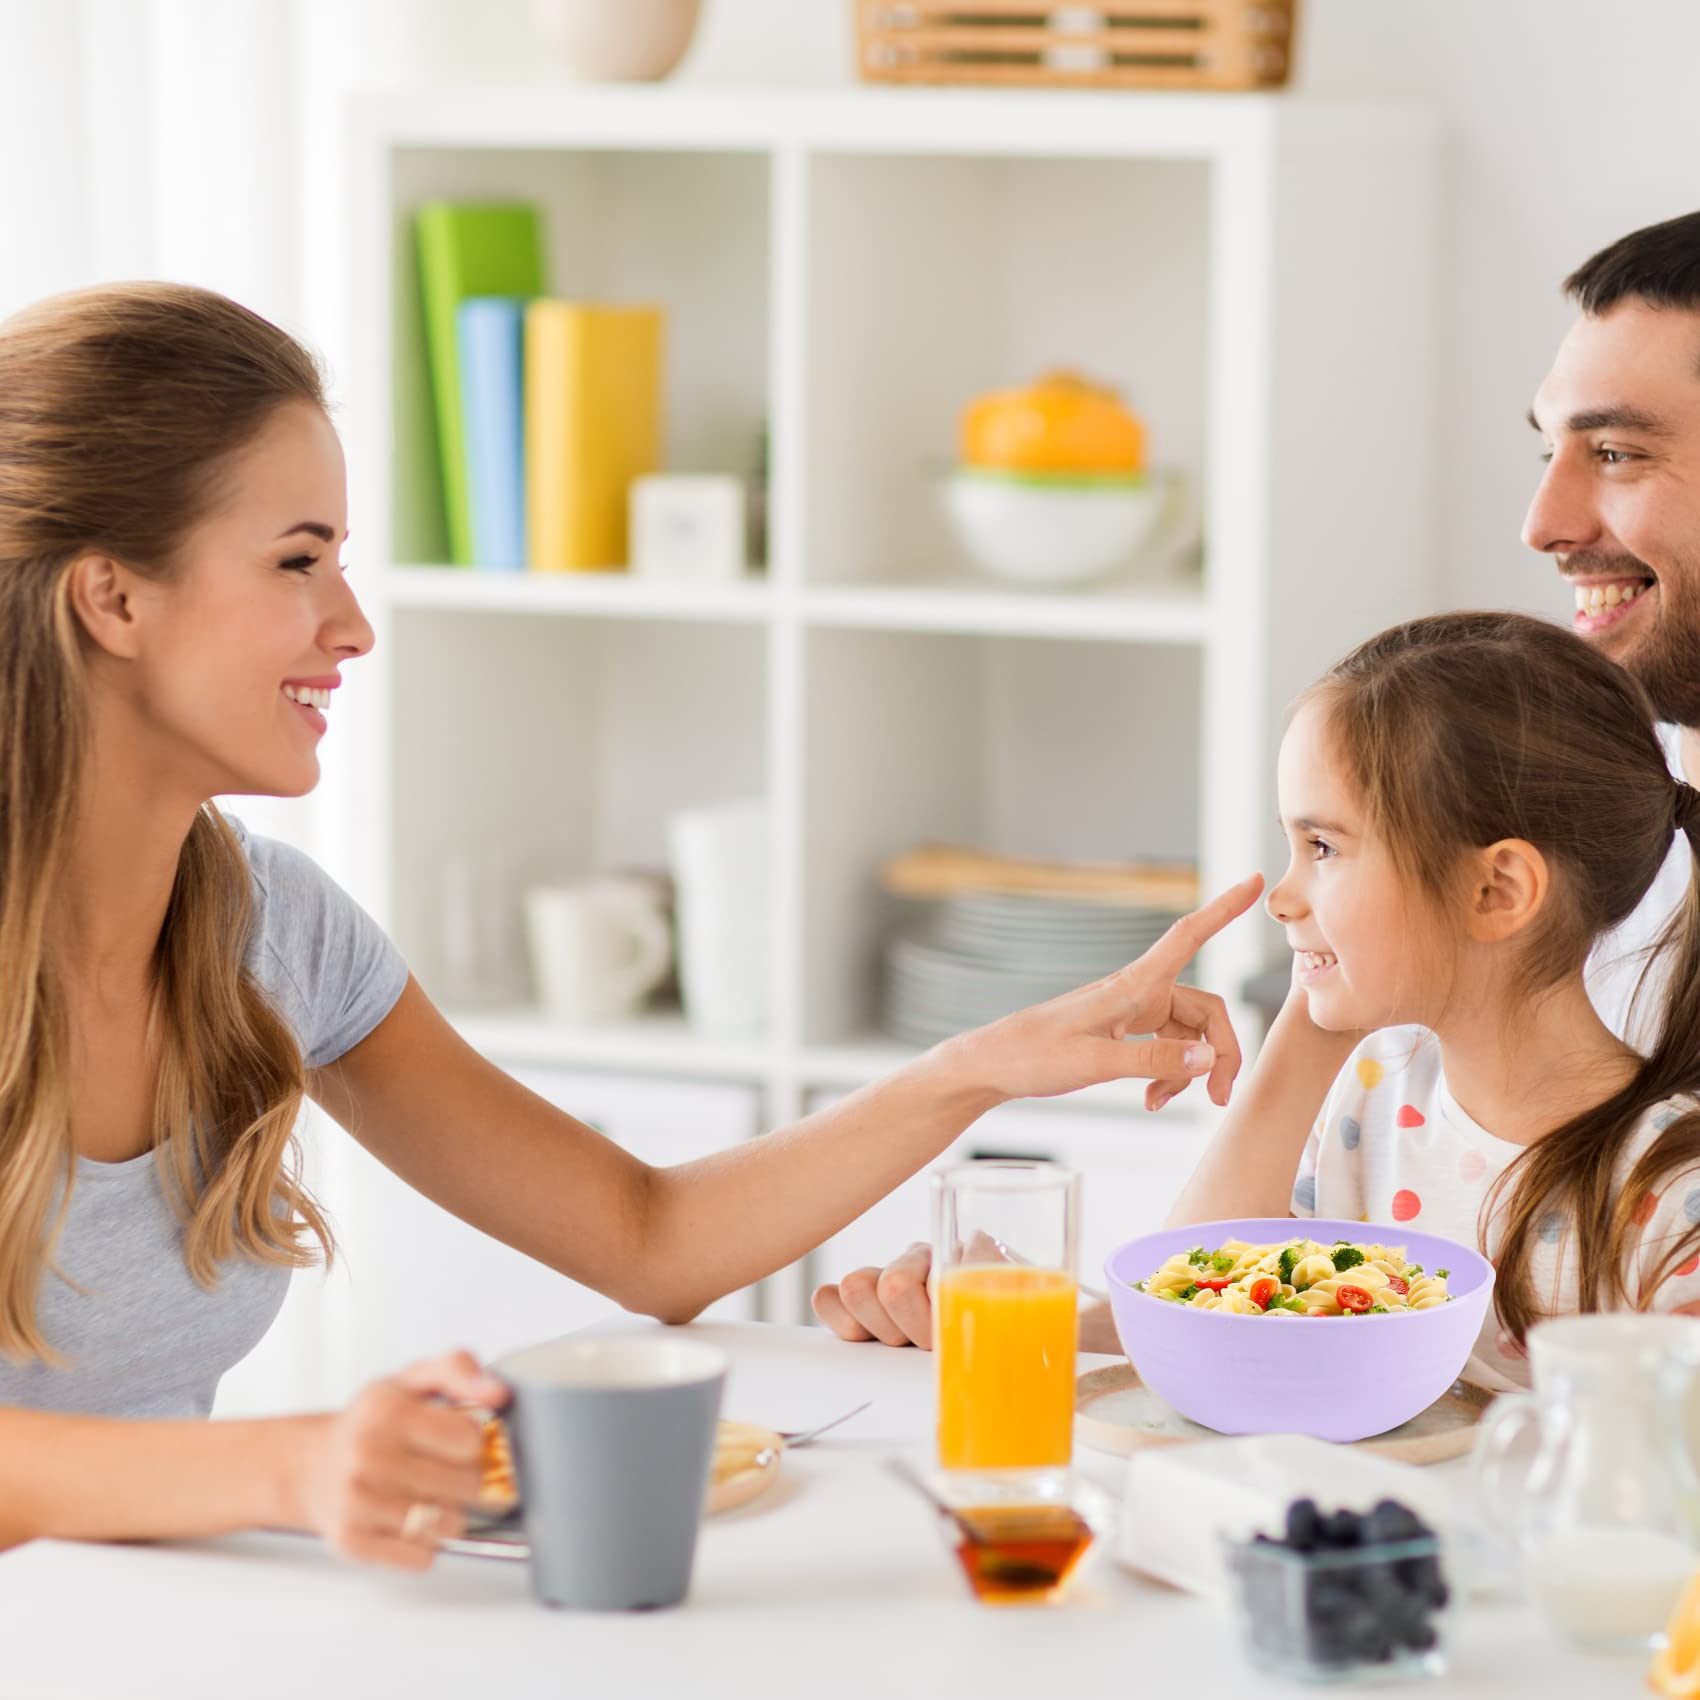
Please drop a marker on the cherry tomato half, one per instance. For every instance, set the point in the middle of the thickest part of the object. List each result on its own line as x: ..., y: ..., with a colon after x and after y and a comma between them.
x: 1264, y: 1289
x: 1353, y: 1299
x: 1216, y: 1284
x: 1399, y: 1284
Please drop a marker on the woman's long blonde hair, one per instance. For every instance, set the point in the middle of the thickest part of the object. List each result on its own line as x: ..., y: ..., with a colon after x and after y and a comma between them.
x: 120, y: 408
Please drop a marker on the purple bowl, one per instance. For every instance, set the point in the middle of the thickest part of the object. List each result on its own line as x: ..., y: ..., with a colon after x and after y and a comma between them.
x: 1334, y: 1378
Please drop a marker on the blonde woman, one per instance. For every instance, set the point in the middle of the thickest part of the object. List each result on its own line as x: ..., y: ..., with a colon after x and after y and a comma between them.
x: 174, y: 620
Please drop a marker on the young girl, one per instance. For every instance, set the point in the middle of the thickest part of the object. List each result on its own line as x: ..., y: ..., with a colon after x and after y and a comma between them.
x: 1472, y: 801
x: 173, y: 624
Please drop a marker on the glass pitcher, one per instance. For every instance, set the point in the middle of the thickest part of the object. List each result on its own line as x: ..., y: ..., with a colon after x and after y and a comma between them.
x: 1594, y: 1473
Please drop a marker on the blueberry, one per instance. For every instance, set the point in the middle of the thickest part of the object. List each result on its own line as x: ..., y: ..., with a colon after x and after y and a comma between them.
x: 1406, y: 1615
x: 1422, y: 1577
x: 1304, y: 1525
x: 1372, y: 1633
x: 1391, y: 1521
x: 1327, y: 1642
x: 1382, y: 1587
x: 1356, y: 1634
x: 1343, y: 1529
x: 1328, y: 1597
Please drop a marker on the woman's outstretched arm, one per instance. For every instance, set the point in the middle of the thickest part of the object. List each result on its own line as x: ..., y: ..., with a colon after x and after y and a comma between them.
x: 1246, y: 1170
x: 668, y: 1242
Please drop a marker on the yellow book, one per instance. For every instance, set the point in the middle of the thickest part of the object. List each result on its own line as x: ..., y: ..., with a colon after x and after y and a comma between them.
x: 592, y: 425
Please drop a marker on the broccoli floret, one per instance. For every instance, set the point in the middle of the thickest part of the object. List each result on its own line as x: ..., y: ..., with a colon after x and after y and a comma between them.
x: 1289, y: 1261
x: 1198, y: 1256
x: 1347, y: 1257
x: 1378, y: 1310
x: 1221, y: 1261
x: 1188, y: 1291
x: 1412, y: 1269
x: 1442, y: 1274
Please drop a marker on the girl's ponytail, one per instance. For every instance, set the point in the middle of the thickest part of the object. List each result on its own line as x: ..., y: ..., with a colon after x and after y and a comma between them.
x: 1582, y: 1157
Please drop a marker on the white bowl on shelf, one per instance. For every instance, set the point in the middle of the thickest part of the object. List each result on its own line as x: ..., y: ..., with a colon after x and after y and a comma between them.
x: 617, y: 40
x: 1034, y: 528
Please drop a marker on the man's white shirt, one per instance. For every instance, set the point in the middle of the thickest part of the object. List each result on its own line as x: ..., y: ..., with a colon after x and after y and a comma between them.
x: 1616, y: 964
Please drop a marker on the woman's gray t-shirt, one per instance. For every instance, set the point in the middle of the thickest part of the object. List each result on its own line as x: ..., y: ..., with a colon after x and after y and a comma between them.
x: 143, y: 1338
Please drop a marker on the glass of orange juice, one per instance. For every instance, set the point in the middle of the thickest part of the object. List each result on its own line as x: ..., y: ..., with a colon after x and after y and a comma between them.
x: 1005, y: 1238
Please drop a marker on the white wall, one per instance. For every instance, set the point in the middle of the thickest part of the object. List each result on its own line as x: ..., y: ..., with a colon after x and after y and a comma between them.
x: 44, y: 236
x: 1569, y: 123
x: 138, y: 118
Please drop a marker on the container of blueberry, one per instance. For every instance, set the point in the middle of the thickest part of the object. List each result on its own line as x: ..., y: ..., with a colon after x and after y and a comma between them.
x: 1343, y: 1595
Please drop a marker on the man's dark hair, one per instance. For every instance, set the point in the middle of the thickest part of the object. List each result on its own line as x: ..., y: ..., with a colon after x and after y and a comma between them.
x: 1659, y: 265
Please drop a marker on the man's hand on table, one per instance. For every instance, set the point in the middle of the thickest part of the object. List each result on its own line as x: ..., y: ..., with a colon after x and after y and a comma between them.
x: 894, y: 1306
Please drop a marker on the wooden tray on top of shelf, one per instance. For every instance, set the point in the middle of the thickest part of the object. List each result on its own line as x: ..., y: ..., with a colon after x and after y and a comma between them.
x: 1137, y: 44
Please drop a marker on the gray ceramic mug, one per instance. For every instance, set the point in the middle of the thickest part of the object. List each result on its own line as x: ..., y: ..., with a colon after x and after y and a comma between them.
x: 613, y: 1439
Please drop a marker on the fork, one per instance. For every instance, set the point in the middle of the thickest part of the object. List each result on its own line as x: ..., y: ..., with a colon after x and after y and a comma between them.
x: 809, y: 1436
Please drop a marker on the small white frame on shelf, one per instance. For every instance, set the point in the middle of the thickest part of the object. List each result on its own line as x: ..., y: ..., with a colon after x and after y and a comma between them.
x: 843, y: 270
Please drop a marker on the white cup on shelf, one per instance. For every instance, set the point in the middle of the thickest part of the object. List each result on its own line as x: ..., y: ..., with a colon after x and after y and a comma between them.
x: 598, y: 947
x: 720, y: 874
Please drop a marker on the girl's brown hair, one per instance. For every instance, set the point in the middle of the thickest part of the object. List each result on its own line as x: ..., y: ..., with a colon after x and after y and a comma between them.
x: 1465, y: 729
x: 120, y: 408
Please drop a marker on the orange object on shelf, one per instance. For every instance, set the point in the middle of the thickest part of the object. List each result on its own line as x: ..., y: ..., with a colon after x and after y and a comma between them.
x: 1063, y: 423
x: 1005, y: 1347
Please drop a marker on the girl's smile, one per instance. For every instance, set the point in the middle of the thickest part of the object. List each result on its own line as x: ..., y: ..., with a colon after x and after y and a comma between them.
x: 1314, y: 964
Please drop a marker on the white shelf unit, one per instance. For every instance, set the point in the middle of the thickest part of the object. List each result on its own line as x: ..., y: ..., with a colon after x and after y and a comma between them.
x: 843, y: 270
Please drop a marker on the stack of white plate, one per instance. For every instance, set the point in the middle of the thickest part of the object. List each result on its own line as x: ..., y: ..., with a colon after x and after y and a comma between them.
x: 985, y: 956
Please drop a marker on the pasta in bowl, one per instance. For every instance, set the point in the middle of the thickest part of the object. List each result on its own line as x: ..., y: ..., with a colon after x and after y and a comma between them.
x: 1338, y: 1371
x: 1299, y: 1277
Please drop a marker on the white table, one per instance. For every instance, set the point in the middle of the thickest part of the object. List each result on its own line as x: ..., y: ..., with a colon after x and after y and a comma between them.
x: 834, y: 1584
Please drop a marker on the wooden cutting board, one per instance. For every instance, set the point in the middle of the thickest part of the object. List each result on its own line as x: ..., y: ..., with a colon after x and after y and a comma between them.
x: 1118, y: 1413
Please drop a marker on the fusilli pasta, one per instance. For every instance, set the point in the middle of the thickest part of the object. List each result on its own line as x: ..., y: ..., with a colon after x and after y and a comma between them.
x: 1298, y: 1278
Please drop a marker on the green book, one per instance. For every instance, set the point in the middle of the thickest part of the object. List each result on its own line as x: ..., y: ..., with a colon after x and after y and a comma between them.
x: 467, y: 248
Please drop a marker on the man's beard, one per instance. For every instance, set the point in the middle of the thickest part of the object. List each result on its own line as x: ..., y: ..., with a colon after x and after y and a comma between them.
x: 1666, y: 657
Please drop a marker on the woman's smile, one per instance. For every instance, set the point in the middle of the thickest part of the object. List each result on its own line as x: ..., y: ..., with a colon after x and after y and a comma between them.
x: 310, y: 698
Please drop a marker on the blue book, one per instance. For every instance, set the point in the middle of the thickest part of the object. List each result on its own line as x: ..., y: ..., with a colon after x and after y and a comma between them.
x: 489, y: 341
